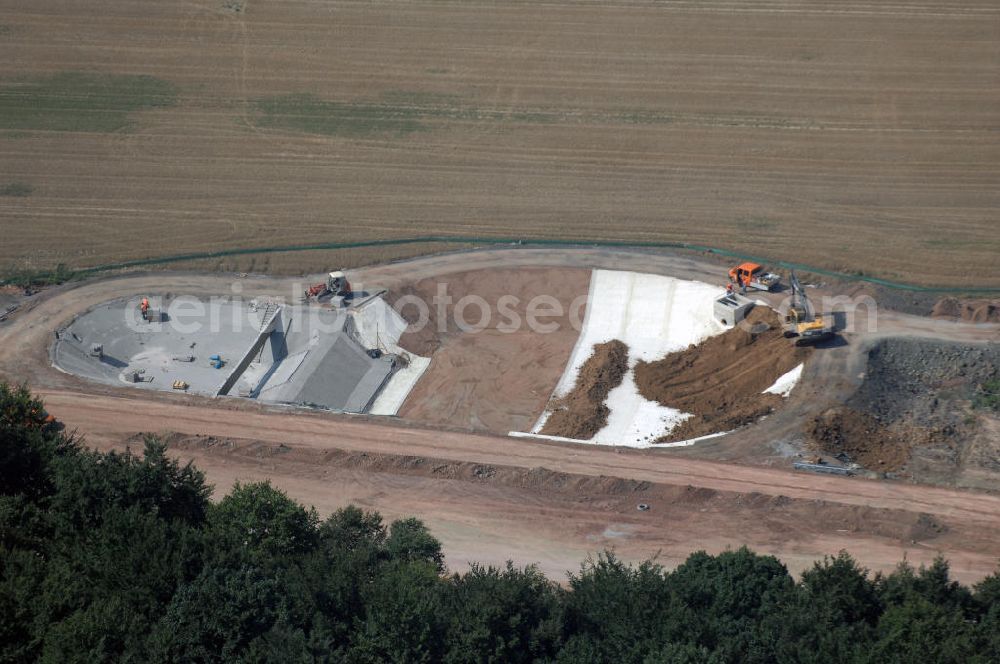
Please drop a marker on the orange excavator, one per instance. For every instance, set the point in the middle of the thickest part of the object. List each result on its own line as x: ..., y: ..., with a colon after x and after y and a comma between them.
x: 753, y: 276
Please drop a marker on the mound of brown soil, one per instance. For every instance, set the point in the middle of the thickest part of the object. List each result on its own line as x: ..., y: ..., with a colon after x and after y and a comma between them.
x: 914, y: 411
x: 582, y: 413
x: 721, y: 379
x: 861, y: 437
x: 973, y: 311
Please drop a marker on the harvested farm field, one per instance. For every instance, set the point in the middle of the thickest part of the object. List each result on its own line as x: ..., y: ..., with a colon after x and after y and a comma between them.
x: 721, y: 381
x: 859, y: 138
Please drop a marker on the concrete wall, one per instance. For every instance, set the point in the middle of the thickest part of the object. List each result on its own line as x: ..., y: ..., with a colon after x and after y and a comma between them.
x: 732, y: 309
x: 251, y: 354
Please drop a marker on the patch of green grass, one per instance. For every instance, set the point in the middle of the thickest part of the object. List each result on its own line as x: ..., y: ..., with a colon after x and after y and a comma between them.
x: 395, y: 113
x: 750, y: 223
x: 308, y: 113
x: 18, y: 189
x: 427, y: 100
x: 26, y: 278
x: 988, y: 396
x: 401, y: 112
x: 79, y: 101
x: 643, y: 117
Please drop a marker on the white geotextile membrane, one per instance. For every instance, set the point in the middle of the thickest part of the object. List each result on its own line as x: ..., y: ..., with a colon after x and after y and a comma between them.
x: 784, y: 385
x: 654, y: 316
x: 378, y: 325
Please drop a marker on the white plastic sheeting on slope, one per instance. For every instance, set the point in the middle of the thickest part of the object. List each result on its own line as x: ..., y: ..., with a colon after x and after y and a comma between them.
x: 654, y: 316
x: 559, y: 439
x: 377, y: 325
x: 786, y: 383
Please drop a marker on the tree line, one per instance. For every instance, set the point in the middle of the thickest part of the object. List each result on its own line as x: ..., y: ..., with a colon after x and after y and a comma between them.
x: 110, y: 556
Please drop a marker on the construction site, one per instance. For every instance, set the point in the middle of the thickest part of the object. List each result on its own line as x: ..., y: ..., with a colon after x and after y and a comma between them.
x: 342, y: 356
x: 585, y: 381
x: 553, y: 277
x: 339, y: 350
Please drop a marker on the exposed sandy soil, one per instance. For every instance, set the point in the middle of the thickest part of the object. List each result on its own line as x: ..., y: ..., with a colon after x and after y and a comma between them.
x: 489, y: 381
x: 914, y: 412
x: 581, y: 413
x: 490, y: 499
x: 858, y: 137
x: 600, y: 493
x: 862, y: 438
x: 720, y: 380
x: 479, y: 521
x: 496, y: 376
x: 973, y: 311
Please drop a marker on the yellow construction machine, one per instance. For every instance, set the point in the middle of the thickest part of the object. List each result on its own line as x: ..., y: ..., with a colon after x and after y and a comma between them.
x: 802, y: 323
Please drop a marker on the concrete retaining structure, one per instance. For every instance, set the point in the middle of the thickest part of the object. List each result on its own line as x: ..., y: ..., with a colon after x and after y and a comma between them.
x: 266, y: 329
x: 732, y: 308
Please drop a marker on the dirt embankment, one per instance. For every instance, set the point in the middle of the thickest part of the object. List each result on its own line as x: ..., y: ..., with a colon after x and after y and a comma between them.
x: 858, y: 436
x: 671, y: 503
x: 972, y: 311
x: 499, y: 340
x: 582, y: 413
x: 914, y: 412
x: 720, y: 381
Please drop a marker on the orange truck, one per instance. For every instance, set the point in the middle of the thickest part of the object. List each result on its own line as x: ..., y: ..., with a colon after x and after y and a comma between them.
x: 753, y: 276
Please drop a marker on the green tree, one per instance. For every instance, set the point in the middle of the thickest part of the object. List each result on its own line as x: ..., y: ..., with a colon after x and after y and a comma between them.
x: 930, y: 583
x: 88, y: 484
x: 22, y: 573
x: 831, y: 616
x: 28, y: 443
x: 920, y: 631
x: 218, y: 616
x: 351, y: 529
x: 616, y: 612
x: 405, y: 615
x: 260, y: 523
x: 987, y: 598
x: 103, y: 593
x: 502, y: 615
x: 726, y: 599
x: 409, y: 540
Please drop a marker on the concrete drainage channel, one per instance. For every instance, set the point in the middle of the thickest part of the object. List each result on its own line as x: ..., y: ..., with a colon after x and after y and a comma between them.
x: 340, y: 359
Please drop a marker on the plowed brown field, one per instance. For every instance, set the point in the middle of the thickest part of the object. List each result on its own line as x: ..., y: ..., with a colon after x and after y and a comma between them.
x: 851, y: 135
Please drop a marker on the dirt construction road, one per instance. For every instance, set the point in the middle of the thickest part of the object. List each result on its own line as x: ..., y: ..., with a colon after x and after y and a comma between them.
x: 798, y: 517
x: 489, y: 497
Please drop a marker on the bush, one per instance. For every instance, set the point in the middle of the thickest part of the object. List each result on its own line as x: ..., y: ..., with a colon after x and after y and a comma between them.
x: 988, y: 396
